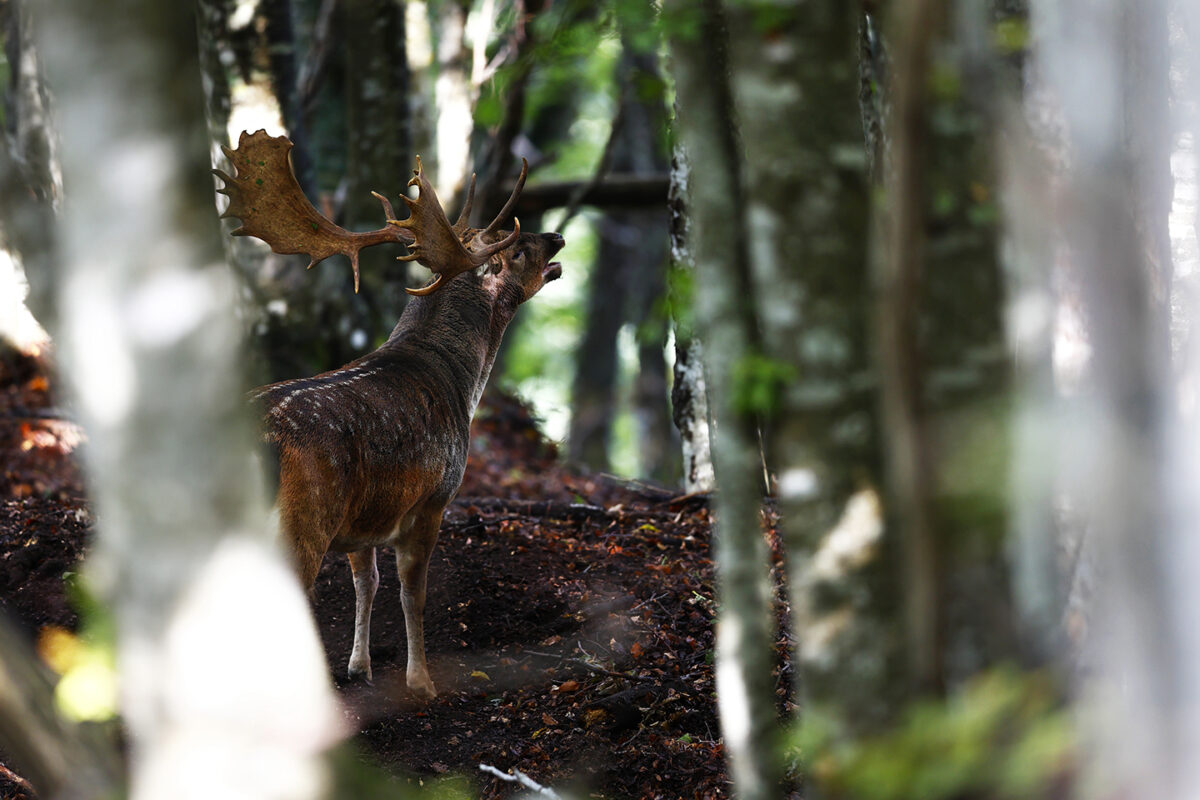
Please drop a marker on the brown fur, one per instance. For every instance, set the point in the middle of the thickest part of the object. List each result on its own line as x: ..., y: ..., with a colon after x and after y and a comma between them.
x: 371, y: 453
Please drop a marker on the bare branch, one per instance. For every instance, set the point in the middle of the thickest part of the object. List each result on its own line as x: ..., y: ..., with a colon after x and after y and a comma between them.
x: 521, y: 778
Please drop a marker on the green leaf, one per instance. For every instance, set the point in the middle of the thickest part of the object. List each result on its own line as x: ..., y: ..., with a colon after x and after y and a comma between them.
x: 758, y: 382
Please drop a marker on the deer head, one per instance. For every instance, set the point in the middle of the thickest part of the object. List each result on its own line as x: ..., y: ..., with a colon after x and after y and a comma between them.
x: 265, y: 195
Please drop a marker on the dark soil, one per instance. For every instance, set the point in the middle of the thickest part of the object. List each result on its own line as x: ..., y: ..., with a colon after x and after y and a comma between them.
x: 568, y: 622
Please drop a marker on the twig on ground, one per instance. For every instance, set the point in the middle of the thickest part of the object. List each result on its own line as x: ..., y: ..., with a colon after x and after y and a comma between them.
x: 521, y: 778
x: 552, y: 510
x: 652, y: 599
x: 562, y: 657
x: 483, y: 522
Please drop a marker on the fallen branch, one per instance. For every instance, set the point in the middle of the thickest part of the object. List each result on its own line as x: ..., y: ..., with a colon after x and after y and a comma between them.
x: 537, y: 508
x: 543, y: 509
x: 524, y: 780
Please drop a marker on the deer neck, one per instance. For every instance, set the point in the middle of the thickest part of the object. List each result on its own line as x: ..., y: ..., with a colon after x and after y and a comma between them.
x: 461, y: 325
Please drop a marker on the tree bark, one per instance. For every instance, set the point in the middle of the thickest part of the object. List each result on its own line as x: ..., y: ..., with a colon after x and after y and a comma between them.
x: 689, y: 395
x: 31, y: 191
x: 203, y: 604
x: 378, y: 148
x: 745, y: 624
x: 806, y: 212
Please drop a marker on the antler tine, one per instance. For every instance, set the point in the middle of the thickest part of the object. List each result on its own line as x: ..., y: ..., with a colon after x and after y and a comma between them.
x: 484, y: 253
x: 264, y: 194
x: 464, y: 217
x: 512, y: 200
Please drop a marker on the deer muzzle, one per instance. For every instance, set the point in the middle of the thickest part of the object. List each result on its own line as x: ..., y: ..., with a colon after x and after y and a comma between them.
x: 553, y: 270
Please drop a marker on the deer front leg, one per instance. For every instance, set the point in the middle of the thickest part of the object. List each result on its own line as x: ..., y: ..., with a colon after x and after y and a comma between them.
x: 412, y: 562
x: 366, y: 581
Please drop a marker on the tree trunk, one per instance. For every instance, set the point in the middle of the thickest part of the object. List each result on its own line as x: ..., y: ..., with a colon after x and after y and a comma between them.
x: 805, y: 205
x: 745, y: 624
x: 594, y: 388
x: 32, y: 181
x: 454, y: 103
x: 1113, y: 216
x: 378, y: 157
x: 689, y: 395
x: 203, y: 604
x: 627, y: 280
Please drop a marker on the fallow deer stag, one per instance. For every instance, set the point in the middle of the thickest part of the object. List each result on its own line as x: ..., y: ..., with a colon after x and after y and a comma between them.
x: 371, y: 453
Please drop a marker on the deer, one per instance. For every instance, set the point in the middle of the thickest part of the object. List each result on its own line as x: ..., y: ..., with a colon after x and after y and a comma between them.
x: 371, y: 453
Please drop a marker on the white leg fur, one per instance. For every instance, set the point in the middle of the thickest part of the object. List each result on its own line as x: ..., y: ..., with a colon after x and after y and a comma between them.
x: 412, y: 598
x: 366, y: 581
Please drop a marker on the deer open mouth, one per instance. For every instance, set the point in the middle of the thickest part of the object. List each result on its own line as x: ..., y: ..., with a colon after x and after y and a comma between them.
x: 552, y: 271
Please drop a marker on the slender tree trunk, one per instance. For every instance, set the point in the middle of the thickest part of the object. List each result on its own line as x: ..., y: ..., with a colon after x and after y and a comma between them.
x: 689, y: 395
x: 1039, y: 583
x: 203, y: 604
x: 719, y: 243
x: 940, y: 337
x: 899, y: 270
x: 594, y: 388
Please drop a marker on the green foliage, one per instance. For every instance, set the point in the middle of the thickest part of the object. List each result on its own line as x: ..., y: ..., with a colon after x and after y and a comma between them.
x: 1004, y: 735
x: 682, y: 20
x: 489, y: 111
x: 354, y: 775
x: 681, y: 296
x: 769, y: 16
x: 758, y: 382
x: 86, y: 664
x: 972, y: 481
x: 637, y: 20
x: 945, y: 81
x: 1011, y: 36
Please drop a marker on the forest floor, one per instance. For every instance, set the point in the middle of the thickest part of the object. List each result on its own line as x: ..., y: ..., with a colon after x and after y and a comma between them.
x: 568, y: 621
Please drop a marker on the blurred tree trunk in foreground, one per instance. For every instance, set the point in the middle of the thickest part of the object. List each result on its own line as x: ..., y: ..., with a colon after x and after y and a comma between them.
x: 1125, y: 431
x: 204, y: 606
x: 57, y: 756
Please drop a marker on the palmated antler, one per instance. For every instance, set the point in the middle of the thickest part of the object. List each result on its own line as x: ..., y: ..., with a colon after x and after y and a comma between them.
x: 267, y: 198
x: 439, y: 244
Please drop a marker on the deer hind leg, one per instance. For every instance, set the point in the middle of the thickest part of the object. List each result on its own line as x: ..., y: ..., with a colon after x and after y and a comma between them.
x: 366, y: 581
x: 412, y: 562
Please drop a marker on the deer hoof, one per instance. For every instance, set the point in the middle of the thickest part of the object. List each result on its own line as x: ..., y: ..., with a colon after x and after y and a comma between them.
x: 422, y: 687
x: 359, y: 675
